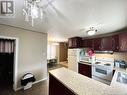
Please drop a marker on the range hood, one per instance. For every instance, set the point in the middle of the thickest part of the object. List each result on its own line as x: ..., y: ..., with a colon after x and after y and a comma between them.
x: 104, y: 52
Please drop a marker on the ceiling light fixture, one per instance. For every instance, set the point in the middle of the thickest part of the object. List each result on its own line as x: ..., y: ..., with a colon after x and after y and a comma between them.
x: 92, y: 31
x: 33, y: 10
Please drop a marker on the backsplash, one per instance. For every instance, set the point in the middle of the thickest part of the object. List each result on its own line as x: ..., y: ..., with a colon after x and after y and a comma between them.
x: 115, y: 55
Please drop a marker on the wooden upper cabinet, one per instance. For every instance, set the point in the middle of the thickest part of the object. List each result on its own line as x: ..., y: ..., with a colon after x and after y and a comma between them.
x: 108, y: 43
x: 111, y: 43
x: 97, y: 44
x: 87, y: 43
x: 74, y: 42
x: 123, y: 42
x: 116, y: 43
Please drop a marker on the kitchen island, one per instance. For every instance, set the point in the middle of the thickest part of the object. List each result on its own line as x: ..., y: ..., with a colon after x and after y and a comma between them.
x: 77, y: 84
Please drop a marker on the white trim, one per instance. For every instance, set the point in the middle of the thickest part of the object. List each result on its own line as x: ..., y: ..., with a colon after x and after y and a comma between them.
x: 40, y: 80
x: 19, y: 88
x: 7, y: 37
x: 15, y: 65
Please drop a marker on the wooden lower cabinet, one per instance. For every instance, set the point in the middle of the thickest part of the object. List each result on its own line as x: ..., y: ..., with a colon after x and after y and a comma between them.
x: 57, y: 88
x: 85, y: 69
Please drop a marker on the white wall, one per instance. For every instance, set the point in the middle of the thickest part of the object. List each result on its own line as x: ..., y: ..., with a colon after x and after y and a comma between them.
x: 32, y: 53
x: 52, y: 50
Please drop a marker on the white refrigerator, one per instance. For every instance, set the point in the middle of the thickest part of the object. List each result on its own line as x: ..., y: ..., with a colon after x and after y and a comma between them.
x: 73, y: 59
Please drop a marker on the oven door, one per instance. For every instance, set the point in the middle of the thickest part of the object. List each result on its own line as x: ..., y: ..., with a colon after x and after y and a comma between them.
x: 102, y: 73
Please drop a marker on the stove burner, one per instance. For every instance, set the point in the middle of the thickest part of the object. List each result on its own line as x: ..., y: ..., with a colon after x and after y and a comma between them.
x: 107, y: 64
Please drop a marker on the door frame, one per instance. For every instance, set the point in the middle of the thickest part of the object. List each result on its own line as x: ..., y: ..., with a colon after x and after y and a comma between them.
x: 15, y: 64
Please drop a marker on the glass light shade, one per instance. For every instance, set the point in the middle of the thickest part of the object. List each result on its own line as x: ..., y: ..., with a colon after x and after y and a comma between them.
x: 34, y: 12
x: 91, y: 32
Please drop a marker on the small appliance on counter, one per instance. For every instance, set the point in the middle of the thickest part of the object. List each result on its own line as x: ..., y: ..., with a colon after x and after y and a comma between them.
x: 120, y: 64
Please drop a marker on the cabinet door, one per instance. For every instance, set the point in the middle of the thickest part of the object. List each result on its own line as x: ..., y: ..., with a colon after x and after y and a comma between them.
x: 87, y: 43
x: 116, y: 43
x: 123, y: 42
x: 74, y: 42
x: 57, y: 88
x: 69, y: 42
x: 107, y: 43
x: 90, y: 43
x: 84, y: 69
x: 84, y: 43
x: 97, y: 44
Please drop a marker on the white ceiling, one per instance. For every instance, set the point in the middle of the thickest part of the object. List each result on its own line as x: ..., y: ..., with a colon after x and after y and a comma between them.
x: 68, y: 18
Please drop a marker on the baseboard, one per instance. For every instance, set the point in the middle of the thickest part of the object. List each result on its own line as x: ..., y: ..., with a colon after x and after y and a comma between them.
x: 39, y: 80
x: 19, y: 88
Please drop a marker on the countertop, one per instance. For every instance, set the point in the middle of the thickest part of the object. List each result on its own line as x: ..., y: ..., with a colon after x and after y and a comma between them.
x: 85, y: 62
x: 119, y: 88
x: 80, y: 84
x: 83, y: 85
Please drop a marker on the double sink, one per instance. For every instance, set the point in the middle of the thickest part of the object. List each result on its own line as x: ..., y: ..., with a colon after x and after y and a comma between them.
x: 122, y: 77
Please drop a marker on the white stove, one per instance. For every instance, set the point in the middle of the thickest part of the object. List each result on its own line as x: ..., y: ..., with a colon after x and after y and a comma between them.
x: 102, y: 70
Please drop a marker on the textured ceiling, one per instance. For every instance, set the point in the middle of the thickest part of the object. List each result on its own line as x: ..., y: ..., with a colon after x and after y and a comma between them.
x: 68, y: 18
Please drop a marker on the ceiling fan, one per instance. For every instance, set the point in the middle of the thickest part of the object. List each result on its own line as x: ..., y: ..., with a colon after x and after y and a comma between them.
x: 89, y: 30
x: 92, y: 31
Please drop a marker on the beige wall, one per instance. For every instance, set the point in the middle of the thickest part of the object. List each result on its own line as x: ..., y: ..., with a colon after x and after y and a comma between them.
x: 116, y: 56
x: 32, y: 53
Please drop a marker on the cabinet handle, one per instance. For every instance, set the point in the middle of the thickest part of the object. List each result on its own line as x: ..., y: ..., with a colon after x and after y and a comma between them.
x: 99, y: 47
x: 121, y: 47
x: 113, y: 44
x: 117, y: 47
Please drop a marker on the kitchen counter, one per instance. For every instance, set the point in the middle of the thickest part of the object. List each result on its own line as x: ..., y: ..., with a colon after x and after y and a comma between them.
x: 83, y: 85
x: 80, y: 84
x: 119, y: 88
x: 83, y: 62
x: 119, y: 69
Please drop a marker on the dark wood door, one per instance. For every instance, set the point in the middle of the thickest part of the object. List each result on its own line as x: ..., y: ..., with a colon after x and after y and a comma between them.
x: 97, y: 44
x: 108, y: 43
x: 57, y: 88
x: 6, y: 68
x: 84, y: 69
x: 123, y: 42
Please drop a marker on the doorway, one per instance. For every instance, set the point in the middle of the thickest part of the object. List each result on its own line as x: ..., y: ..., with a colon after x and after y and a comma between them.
x: 8, y: 62
x: 63, y: 53
x: 7, y: 47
